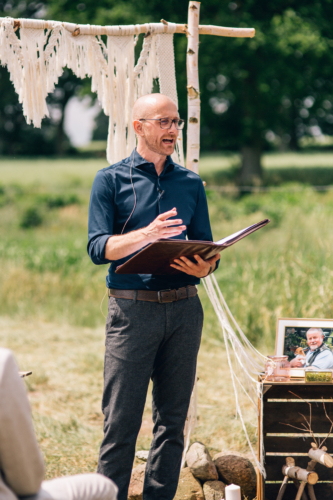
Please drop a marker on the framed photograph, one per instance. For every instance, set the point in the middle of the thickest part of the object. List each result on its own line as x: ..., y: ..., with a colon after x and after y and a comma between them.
x: 300, y: 339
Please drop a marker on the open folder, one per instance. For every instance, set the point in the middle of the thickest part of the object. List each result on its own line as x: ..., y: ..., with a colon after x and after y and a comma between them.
x: 157, y: 257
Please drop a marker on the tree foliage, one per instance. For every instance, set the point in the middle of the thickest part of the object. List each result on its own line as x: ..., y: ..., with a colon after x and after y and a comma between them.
x: 257, y: 93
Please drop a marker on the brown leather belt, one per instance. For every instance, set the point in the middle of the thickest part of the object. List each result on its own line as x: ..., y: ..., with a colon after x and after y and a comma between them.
x: 163, y: 296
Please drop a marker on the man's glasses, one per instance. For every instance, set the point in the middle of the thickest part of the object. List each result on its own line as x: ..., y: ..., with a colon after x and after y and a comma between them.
x: 166, y: 123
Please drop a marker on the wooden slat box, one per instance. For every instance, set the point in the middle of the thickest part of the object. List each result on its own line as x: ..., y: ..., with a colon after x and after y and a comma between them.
x: 281, y: 407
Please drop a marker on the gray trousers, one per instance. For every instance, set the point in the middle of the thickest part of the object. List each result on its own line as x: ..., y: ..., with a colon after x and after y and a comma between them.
x: 148, y: 340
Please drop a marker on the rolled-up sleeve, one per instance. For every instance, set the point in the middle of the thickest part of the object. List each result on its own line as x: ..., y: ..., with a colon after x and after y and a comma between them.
x: 199, y: 228
x: 101, y: 217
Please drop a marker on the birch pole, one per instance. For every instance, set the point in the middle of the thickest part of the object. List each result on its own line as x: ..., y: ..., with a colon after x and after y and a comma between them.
x: 133, y: 29
x: 193, y: 94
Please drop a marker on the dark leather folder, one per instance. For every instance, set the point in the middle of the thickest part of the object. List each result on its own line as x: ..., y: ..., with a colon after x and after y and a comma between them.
x: 157, y: 257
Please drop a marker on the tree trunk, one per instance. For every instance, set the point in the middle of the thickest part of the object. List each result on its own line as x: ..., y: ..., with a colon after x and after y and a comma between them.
x: 61, y: 140
x: 251, y: 172
x: 193, y: 94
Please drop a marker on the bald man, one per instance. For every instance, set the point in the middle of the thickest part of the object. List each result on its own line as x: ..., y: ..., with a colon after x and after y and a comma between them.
x: 154, y: 324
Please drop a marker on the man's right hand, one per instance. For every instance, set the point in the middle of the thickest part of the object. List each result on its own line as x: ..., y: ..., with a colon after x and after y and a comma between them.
x: 161, y: 227
x: 120, y: 246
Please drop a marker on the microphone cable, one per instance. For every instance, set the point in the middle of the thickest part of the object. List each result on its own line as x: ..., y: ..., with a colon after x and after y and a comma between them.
x: 131, y: 168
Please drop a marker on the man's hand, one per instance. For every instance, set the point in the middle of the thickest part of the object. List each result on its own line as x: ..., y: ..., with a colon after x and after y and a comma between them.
x: 200, y: 269
x: 161, y: 227
x: 120, y: 246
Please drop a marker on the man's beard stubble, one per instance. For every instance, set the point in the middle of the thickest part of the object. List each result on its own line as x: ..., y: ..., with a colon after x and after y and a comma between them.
x: 153, y: 145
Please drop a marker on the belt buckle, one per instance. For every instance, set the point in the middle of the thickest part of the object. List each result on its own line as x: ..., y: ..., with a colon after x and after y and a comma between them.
x: 159, y: 296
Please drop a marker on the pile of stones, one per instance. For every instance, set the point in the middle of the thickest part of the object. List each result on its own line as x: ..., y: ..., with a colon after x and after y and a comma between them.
x: 203, y: 477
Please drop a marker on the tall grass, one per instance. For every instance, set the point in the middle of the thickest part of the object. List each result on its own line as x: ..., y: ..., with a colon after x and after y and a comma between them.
x: 50, y: 295
x: 283, y: 270
x: 66, y: 386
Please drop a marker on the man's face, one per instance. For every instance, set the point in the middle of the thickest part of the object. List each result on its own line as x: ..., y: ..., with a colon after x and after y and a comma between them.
x: 158, y: 140
x: 314, y: 340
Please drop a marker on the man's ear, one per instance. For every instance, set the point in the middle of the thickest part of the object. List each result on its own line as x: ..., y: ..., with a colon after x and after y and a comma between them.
x: 138, y: 127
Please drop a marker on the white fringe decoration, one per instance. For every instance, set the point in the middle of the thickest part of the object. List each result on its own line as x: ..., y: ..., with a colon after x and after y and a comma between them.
x: 167, y: 79
x: 247, y: 364
x: 36, y: 60
x: 33, y: 70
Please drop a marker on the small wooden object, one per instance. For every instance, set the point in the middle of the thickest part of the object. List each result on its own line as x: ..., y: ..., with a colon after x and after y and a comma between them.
x: 294, y: 472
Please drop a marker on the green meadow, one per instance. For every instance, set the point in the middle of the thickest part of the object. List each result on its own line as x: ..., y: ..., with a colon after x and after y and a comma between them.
x: 51, y: 295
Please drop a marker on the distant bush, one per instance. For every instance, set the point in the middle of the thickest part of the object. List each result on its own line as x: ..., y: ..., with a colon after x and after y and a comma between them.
x: 31, y: 218
x: 59, y: 200
x: 2, y: 196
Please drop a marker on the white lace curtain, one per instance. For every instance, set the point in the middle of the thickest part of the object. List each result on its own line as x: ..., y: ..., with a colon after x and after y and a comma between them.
x: 37, y: 57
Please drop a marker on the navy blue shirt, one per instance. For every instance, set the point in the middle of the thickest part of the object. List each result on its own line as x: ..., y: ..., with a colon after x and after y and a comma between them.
x: 112, y: 201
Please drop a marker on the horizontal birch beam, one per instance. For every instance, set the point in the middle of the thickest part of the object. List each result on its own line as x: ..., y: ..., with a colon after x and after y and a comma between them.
x: 222, y: 31
x: 133, y: 29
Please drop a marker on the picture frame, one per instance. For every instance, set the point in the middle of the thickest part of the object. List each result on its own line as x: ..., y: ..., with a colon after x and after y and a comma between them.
x: 291, y: 334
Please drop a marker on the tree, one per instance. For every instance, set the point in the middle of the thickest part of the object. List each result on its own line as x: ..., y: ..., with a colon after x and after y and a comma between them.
x: 275, y: 87
x: 256, y: 93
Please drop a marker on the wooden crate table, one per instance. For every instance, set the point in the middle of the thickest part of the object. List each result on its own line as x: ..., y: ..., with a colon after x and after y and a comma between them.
x: 281, y: 407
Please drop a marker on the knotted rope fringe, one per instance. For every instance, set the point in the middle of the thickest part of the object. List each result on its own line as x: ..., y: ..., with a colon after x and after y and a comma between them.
x: 36, y: 60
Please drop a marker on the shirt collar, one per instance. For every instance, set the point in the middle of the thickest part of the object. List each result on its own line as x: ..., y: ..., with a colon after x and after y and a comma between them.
x: 143, y: 164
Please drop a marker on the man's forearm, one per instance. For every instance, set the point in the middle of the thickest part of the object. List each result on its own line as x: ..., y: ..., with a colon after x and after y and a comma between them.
x: 120, y: 246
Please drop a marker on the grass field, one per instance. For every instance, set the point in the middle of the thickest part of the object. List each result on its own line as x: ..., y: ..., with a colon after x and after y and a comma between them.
x: 50, y: 292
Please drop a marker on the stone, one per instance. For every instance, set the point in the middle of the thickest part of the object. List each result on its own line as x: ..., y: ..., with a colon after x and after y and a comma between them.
x: 135, y: 489
x: 142, y: 455
x: 233, y: 469
x: 189, y: 488
x: 214, y: 490
x: 200, y: 463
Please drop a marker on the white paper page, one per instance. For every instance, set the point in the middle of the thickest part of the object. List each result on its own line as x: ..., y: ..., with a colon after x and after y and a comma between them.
x: 232, y: 236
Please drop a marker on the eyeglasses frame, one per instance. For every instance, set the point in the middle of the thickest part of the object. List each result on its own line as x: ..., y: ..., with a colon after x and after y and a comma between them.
x: 180, y: 120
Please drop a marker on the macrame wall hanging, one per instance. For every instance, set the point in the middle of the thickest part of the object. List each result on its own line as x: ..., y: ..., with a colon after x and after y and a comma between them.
x: 36, y: 53
x: 37, y: 58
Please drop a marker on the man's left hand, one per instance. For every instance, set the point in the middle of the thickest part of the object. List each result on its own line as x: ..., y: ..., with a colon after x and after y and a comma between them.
x: 200, y: 268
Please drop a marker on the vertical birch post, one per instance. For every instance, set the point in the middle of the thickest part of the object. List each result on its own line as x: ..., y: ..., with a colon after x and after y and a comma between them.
x: 193, y: 94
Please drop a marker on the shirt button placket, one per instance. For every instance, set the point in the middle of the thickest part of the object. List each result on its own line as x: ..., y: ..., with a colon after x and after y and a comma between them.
x: 159, y: 193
